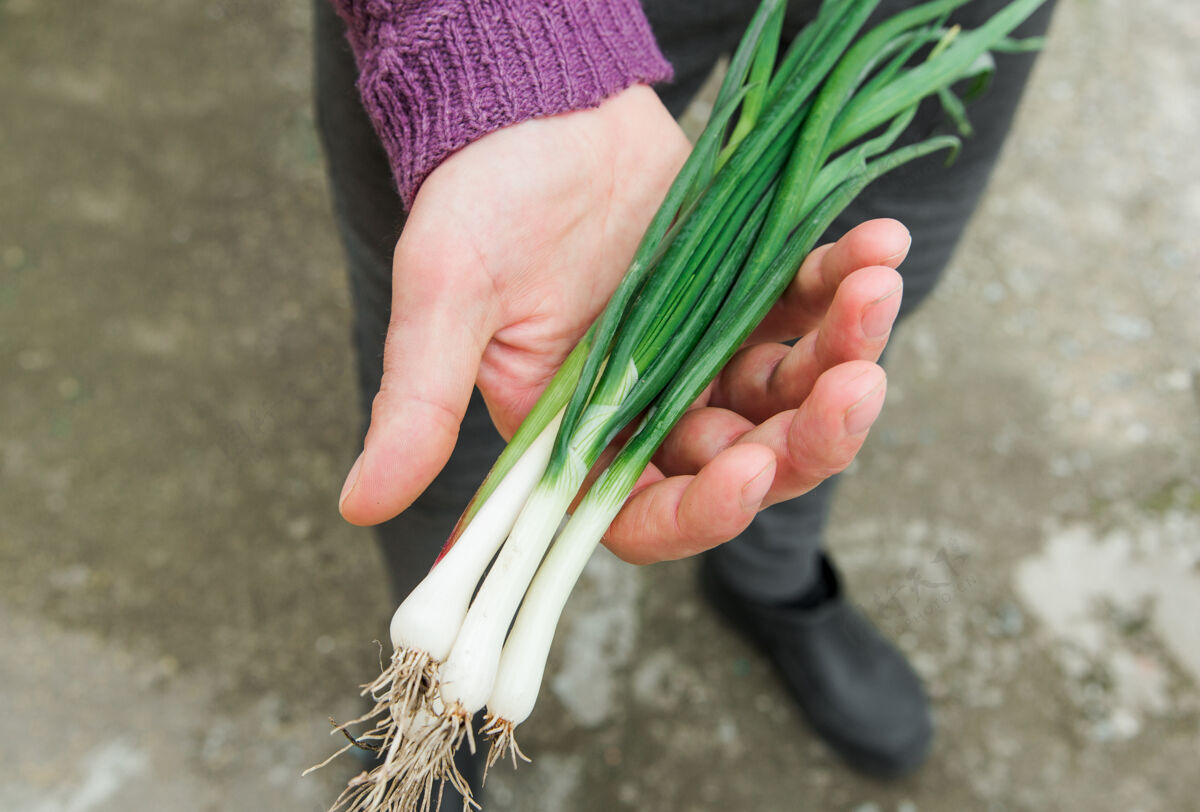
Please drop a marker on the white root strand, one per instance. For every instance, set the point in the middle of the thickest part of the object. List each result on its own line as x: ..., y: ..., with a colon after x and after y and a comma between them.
x: 503, y: 742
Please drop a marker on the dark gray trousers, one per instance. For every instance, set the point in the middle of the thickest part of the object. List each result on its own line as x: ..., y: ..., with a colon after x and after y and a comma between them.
x: 777, y: 556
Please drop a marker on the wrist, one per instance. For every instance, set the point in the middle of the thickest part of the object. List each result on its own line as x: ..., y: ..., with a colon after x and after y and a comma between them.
x: 437, y: 76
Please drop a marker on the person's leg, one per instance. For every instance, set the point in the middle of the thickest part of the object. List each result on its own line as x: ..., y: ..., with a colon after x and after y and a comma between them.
x: 369, y: 218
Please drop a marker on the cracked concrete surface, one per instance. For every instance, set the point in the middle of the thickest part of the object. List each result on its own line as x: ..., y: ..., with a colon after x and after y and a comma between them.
x: 182, y: 608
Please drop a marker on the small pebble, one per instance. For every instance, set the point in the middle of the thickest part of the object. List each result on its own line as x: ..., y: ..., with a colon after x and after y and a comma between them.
x: 1008, y: 621
x: 34, y: 360
x: 15, y: 257
x: 69, y: 389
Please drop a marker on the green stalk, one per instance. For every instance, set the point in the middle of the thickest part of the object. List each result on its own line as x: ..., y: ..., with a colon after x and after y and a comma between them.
x: 548, y: 405
x: 688, y: 186
x: 756, y: 49
x: 811, y: 150
x: 699, y: 313
x: 765, y: 47
x: 651, y: 314
x: 761, y: 36
x: 866, y: 112
x: 658, y: 319
x: 812, y: 38
x: 734, y: 323
x: 727, y: 187
x: 915, y: 40
x: 698, y: 302
x: 852, y: 161
x: 649, y: 321
x: 649, y: 247
x: 779, y: 117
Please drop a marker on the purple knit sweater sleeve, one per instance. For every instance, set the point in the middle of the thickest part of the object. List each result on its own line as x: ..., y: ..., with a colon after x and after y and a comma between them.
x: 437, y: 74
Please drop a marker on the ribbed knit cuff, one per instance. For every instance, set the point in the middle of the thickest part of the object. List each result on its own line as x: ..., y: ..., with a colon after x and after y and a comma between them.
x: 436, y: 75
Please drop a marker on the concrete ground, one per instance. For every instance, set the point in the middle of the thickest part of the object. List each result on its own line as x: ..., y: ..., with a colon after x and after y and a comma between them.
x: 181, y: 607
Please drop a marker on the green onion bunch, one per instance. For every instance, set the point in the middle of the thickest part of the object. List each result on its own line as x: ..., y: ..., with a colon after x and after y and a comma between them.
x: 792, y: 141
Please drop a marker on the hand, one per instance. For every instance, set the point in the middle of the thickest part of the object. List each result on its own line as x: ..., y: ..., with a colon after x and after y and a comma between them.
x: 512, y: 248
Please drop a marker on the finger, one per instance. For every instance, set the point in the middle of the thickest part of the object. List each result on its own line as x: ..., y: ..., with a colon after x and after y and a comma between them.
x: 769, y: 378
x: 430, y: 361
x: 685, y: 515
x: 800, y: 308
x: 700, y: 435
x: 821, y: 437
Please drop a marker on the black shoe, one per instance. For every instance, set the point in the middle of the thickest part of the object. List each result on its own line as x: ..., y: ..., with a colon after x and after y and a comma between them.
x: 856, y: 689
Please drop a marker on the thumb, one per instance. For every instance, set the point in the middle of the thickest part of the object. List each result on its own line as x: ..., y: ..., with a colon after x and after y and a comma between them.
x: 430, y: 361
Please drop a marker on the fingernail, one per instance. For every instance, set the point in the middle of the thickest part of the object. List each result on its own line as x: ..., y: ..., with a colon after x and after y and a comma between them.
x: 351, y: 480
x: 754, y: 491
x: 880, y: 315
x: 862, y: 414
x: 895, y: 258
